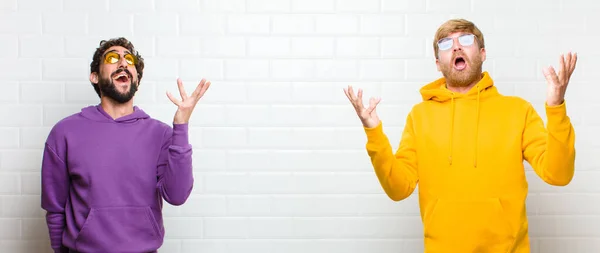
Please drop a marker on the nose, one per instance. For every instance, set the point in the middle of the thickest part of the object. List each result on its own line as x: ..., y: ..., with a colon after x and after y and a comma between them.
x: 122, y: 63
x: 456, y: 45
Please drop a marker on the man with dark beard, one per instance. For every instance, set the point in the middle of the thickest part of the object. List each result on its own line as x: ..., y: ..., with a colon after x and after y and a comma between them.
x: 107, y: 169
x: 464, y: 145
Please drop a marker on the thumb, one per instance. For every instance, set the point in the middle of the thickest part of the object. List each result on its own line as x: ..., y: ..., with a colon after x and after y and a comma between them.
x: 550, y: 75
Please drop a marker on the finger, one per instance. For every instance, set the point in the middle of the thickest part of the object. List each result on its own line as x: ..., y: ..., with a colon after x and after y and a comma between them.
x: 561, y: 69
x: 204, y: 89
x: 172, y: 98
x: 573, y: 63
x: 350, y: 94
x: 373, y: 102
x: 359, y: 102
x: 199, y: 88
x: 551, y: 76
x: 181, y: 89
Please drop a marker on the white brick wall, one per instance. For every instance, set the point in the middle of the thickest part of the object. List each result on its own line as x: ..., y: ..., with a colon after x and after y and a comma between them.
x: 280, y: 164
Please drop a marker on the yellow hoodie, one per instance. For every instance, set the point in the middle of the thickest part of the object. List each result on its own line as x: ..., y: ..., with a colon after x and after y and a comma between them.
x: 466, y: 152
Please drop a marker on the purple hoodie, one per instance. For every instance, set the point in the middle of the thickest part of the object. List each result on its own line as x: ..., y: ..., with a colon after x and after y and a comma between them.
x: 103, y: 180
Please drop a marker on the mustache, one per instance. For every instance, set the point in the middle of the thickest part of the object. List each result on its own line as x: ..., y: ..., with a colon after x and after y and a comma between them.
x: 118, y: 71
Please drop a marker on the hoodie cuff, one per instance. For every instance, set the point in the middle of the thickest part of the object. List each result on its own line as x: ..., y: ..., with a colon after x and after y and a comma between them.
x: 375, y: 134
x: 180, y: 135
x: 556, y: 114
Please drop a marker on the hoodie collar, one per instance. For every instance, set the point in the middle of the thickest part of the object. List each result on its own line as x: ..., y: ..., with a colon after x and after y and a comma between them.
x: 97, y: 113
x: 437, y: 91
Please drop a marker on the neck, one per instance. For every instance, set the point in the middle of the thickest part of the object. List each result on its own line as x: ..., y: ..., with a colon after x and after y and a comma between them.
x: 463, y: 89
x: 114, y: 109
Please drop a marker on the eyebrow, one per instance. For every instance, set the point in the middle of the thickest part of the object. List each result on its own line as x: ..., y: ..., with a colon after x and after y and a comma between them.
x: 114, y: 50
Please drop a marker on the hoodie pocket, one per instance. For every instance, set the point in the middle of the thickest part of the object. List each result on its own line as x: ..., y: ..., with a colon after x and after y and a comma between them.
x: 479, y: 225
x: 129, y: 229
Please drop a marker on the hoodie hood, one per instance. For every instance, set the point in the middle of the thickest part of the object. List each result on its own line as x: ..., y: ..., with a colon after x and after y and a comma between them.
x: 436, y: 91
x: 97, y: 113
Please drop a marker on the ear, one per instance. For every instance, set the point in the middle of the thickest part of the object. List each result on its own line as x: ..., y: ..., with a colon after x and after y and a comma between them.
x: 94, y: 77
x: 482, y: 52
x: 437, y: 63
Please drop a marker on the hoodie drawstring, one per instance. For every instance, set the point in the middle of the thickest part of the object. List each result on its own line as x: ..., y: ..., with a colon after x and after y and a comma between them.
x: 476, y: 151
x: 477, y: 130
x: 451, y: 131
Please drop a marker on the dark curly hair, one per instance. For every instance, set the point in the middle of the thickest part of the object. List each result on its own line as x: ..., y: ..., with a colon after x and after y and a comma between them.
x: 106, y: 44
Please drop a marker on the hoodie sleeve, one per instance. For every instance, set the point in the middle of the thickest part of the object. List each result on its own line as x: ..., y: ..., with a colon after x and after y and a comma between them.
x: 175, y: 176
x: 55, y: 189
x: 397, y: 173
x: 551, y: 150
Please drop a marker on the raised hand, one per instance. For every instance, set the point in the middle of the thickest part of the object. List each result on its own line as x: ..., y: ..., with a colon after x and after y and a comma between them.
x: 557, y: 83
x: 187, y: 104
x: 368, y: 116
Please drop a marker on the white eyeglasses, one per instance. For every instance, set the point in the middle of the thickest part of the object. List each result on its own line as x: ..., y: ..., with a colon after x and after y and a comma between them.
x: 447, y: 43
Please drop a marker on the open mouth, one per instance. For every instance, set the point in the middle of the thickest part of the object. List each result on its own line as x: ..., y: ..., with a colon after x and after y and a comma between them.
x: 122, y: 77
x: 460, y: 63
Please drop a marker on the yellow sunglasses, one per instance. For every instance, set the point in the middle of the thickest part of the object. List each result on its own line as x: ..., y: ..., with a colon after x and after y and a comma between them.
x: 113, y: 57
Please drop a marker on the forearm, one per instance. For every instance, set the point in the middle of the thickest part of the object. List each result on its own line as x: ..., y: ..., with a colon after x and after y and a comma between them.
x: 177, y: 180
x: 395, y: 173
x: 559, y: 162
x: 56, y: 227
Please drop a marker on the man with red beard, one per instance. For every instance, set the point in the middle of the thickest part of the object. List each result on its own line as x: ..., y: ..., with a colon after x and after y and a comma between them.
x: 465, y: 145
x: 107, y: 169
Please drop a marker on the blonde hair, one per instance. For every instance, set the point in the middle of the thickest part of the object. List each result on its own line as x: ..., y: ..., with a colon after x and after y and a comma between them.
x: 457, y: 25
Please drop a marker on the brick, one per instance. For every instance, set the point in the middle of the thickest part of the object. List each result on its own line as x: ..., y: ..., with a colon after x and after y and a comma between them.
x: 9, y: 137
x: 9, y: 185
x: 248, y: 24
x: 224, y: 46
x: 11, y: 229
x: 34, y: 5
x: 246, y: 69
x: 268, y: 6
x: 8, y: 5
x: 29, y: 23
x: 313, y: 6
x: 20, y: 69
x: 372, y: 24
x: 42, y: 92
x: 9, y: 46
x: 293, y: 24
x: 85, y: 5
x: 205, y: 24
x: 268, y: 46
x: 50, y: 46
x: 337, y: 24
x: 223, y: 6
x: 155, y: 24
x: 358, y: 47
x: 64, y: 69
x: 403, y: 47
x: 292, y: 69
x: 402, y: 6
x: 63, y: 23
x: 183, y: 228
x: 337, y: 69
x: 116, y: 23
x: 382, y: 69
x: 313, y: 47
x: 21, y: 115
x: 358, y: 6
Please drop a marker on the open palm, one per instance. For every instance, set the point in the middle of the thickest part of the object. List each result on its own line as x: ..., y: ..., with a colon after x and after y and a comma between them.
x: 368, y: 116
x: 186, y: 105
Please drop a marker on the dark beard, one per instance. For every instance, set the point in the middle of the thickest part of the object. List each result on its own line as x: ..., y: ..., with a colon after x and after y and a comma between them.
x: 463, y: 78
x: 108, y: 88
